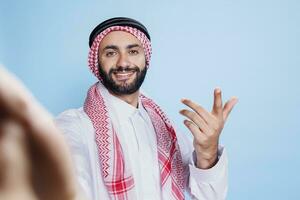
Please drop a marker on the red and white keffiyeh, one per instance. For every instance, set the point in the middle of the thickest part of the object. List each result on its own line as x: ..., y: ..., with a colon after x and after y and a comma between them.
x: 93, y: 61
x: 114, y: 168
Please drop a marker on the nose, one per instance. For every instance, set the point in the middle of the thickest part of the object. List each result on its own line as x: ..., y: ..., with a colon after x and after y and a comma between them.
x: 123, y: 60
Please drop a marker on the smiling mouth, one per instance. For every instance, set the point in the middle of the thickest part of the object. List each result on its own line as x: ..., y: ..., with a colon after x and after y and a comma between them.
x: 123, y: 75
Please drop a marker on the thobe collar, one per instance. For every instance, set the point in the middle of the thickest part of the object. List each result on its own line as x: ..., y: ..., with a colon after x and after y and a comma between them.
x: 124, y: 110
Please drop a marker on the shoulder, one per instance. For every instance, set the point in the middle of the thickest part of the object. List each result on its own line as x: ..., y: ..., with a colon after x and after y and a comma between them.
x: 70, y: 114
x: 75, y: 115
x: 72, y: 120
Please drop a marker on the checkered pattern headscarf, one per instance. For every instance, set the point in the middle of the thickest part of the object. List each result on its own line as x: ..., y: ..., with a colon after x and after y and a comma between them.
x: 93, y: 61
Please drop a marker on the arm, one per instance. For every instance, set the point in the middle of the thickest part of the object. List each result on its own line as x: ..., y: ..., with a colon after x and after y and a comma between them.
x: 206, y: 128
x: 34, y: 158
x: 206, y: 184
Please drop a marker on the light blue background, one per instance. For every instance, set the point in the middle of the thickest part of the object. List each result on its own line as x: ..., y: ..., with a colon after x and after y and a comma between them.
x: 248, y: 48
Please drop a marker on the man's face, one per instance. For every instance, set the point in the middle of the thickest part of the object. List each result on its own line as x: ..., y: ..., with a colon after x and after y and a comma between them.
x: 122, y: 63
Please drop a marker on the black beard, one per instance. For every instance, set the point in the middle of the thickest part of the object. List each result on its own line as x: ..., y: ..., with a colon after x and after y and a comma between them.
x: 124, y: 89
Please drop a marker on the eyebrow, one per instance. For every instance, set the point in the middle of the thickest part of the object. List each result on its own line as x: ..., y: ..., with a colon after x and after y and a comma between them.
x: 114, y: 47
x: 132, y: 46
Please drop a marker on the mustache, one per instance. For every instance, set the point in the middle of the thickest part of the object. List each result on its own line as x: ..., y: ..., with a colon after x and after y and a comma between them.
x: 124, y: 69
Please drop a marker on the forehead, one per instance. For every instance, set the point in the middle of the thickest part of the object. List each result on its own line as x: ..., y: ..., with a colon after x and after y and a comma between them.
x: 119, y: 38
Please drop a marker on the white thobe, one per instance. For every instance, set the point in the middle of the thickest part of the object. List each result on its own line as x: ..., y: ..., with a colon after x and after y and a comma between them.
x: 138, y: 140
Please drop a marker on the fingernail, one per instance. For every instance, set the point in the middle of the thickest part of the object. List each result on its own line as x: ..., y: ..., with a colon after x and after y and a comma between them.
x: 235, y: 98
x: 218, y: 89
x: 184, y: 99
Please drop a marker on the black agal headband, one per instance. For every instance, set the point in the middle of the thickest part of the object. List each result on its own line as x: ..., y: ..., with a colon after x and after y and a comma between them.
x: 117, y: 21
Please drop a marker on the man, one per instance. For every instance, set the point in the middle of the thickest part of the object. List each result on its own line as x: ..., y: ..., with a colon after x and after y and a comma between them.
x: 122, y: 143
x: 123, y: 146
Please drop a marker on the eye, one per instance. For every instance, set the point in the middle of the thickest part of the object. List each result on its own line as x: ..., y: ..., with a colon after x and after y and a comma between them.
x: 133, y: 52
x: 110, y: 53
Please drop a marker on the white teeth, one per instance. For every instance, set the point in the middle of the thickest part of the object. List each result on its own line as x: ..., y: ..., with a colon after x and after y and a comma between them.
x: 124, y: 74
x: 121, y: 76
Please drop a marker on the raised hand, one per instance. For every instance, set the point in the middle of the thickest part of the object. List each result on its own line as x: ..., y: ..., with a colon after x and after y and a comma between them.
x: 206, y: 127
x: 35, y: 162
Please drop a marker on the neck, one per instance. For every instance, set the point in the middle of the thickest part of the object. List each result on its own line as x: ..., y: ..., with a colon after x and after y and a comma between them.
x: 131, y: 99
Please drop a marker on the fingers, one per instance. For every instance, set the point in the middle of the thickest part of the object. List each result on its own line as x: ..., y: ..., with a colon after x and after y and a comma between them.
x: 206, y: 120
x: 15, y: 172
x: 217, y: 106
x: 15, y: 162
x: 13, y: 96
x: 198, y: 109
x: 51, y: 161
x: 47, y: 141
x: 228, y: 107
x: 199, y: 122
x: 198, y: 135
x: 17, y: 101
